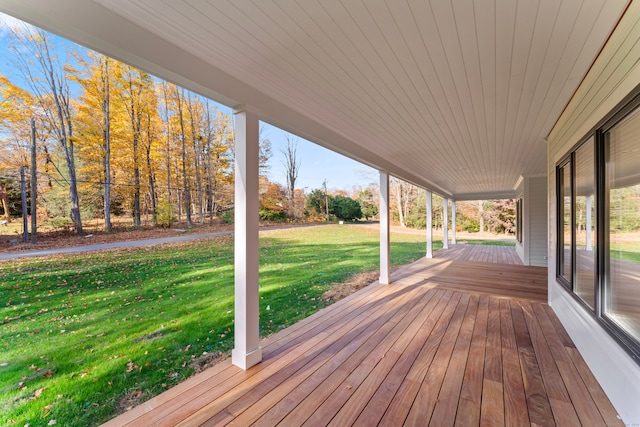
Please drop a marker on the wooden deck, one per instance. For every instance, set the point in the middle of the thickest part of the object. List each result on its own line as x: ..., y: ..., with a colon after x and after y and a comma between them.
x: 480, y: 253
x: 448, y: 343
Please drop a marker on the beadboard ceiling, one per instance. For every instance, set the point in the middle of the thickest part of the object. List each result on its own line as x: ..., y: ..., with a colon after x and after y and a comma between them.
x: 455, y: 96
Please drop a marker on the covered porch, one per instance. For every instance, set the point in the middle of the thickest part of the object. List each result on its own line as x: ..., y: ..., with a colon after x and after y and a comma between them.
x: 449, y: 342
x: 457, y: 99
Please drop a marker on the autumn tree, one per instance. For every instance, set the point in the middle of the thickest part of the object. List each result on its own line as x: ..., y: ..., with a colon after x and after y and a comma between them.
x: 15, y: 111
x: 273, y: 202
x: 93, y: 122
x: 500, y: 215
x: 219, y: 137
x: 179, y: 99
x: 137, y: 97
x: 50, y: 85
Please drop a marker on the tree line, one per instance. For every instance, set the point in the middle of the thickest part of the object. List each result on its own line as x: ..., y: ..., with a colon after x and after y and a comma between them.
x: 111, y: 139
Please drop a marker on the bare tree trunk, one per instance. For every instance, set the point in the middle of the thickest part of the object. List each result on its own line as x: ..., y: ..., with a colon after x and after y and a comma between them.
x: 209, y: 171
x: 152, y: 183
x: 481, y: 212
x: 292, y: 168
x: 196, y: 154
x: 136, y: 178
x: 51, y: 85
x: 34, y: 185
x: 168, y: 146
x: 4, y: 198
x: 106, y: 117
x: 63, y: 108
x: 187, y: 193
x: 400, y: 208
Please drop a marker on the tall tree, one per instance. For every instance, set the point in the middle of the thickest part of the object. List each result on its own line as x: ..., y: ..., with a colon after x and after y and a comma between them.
x: 196, y: 140
x: 180, y: 99
x: 49, y: 83
x: 15, y: 110
x: 150, y: 130
x: 292, y: 165
x: 166, y: 88
x: 93, y: 121
x: 405, y: 195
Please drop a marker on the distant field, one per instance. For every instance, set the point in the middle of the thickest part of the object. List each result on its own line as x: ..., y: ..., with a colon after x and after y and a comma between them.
x: 84, y: 337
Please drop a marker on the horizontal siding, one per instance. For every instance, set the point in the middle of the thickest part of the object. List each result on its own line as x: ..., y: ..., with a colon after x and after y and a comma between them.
x: 538, y: 221
x: 606, y: 84
x: 614, y: 75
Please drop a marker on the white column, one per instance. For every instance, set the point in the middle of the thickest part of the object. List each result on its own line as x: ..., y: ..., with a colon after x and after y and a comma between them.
x: 445, y: 224
x: 453, y: 222
x: 589, y: 224
x: 247, y: 351
x: 384, y: 229
x: 429, y: 225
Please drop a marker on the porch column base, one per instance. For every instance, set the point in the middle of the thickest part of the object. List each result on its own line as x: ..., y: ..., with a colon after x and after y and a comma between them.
x: 245, y: 361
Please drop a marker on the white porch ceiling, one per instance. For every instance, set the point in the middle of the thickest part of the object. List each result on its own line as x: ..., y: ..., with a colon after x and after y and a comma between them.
x: 455, y: 96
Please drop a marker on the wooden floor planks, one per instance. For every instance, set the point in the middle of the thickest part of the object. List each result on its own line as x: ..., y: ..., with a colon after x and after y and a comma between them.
x: 480, y: 253
x: 450, y: 342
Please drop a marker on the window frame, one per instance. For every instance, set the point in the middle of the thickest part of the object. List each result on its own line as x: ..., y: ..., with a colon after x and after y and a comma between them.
x: 519, y: 214
x: 601, y: 201
x: 567, y: 161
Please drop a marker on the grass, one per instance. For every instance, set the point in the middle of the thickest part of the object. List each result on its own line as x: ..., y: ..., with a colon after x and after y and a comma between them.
x: 83, y: 337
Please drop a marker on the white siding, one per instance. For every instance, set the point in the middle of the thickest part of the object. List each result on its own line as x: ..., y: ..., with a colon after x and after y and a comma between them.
x: 536, y: 209
x: 533, y: 249
x: 613, y: 76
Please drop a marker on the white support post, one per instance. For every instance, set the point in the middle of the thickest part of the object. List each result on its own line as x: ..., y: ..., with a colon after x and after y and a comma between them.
x: 385, y: 278
x: 453, y: 222
x: 445, y: 224
x: 429, y: 225
x: 589, y: 224
x: 247, y: 351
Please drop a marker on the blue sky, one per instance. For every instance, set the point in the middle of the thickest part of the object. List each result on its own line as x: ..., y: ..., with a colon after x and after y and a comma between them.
x: 317, y: 163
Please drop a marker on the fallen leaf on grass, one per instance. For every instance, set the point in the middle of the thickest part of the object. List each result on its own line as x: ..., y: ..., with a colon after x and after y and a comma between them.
x: 38, y: 392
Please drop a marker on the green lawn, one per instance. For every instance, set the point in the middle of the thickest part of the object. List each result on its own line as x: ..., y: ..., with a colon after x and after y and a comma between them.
x: 82, y: 336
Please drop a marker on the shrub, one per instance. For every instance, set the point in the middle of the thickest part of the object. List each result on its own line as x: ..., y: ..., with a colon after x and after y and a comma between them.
x: 345, y: 208
x: 228, y: 216
x: 164, y: 214
x: 60, y: 222
x: 272, y: 215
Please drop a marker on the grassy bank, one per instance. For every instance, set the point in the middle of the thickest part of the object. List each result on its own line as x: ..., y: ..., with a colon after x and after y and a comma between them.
x: 84, y: 337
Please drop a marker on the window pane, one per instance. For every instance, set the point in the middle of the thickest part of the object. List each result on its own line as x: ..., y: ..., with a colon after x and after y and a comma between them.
x: 584, y: 283
x: 622, y: 300
x: 565, y: 199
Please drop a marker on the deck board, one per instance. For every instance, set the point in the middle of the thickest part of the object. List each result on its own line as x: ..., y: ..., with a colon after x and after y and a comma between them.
x: 452, y: 341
